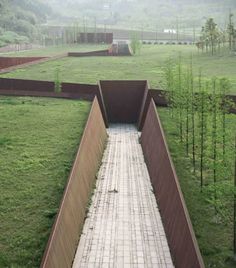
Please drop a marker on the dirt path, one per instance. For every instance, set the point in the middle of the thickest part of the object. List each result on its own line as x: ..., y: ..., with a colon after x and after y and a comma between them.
x: 123, y: 228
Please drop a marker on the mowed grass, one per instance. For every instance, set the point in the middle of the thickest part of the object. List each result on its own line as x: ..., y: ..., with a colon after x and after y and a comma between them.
x: 148, y: 65
x: 215, y: 238
x: 39, y: 138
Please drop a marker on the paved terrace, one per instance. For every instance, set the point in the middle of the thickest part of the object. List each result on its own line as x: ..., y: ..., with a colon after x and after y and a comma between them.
x: 123, y: 227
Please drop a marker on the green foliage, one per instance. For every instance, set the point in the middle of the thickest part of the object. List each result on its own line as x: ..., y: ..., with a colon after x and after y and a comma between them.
x: 22, y: 18
x: 210, y: 35
x: 57, y: 82
x: 147, y: 66
x: 135, y: 44
x: 214, y: 232
x: 38, y: 143
x: 211, y: 136
x: 9, y: 37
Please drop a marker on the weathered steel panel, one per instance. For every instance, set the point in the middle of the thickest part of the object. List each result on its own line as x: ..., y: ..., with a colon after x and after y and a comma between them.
x: 123, y: 100
x: 177, y: 224
x: 22, y: 87
x: 67, y: 228
x: 6, y: 62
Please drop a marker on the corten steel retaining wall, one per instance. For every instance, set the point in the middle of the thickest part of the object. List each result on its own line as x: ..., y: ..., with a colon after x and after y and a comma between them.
x: 143, y: 110
x: 182, y: 242
x: 123, y: 100
x: 83, y: 91
x: 95, y: 38
x: 66, y: 231
x: 104, y: 52
x: 21, y: 87
x: 12, y: 84
x: 6, y: 62
x: 159, y: 98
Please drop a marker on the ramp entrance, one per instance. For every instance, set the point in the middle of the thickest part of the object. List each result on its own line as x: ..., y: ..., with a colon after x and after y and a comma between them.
x: 123, y: 226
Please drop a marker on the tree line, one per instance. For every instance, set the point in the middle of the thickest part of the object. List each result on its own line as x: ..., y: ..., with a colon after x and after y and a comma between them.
x: 200, y: 108
x: 213, y: 38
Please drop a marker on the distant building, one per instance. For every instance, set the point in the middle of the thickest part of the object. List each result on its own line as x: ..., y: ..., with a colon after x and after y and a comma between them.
x: 173, y: 31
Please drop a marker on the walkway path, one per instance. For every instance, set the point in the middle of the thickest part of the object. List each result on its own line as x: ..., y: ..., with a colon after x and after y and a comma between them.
x: 123, y: 228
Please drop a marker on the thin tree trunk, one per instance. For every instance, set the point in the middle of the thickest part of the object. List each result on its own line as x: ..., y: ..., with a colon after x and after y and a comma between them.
x: 202, y: 130
x: 235, y: 199
x: 214, y: 144
x: 180, y: 99
x: 192, y: 116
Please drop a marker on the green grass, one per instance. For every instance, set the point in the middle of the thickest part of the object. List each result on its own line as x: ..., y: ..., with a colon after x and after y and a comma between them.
x: 39, y: 138
x: 148, y: 66
x: 215, y: 238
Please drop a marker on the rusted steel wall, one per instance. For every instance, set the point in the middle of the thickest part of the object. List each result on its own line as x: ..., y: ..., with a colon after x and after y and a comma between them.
x: 84, y: 91
x: 104, y: 52
x: 94, y: 38
x: 159, y: 97
x: 144, y: 107
x: 176, y: 221
x: 123, y: 100
x: 6, y: 62
x: 21, y: 87
x: 26, y: 85
x: 68, y: 225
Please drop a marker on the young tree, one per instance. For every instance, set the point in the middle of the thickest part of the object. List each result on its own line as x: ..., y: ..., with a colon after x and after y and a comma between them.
x: 214, y: 136
x: 192, y: 113
x: 57, y: 82
x: 135, y: 43
x: 231, y: 31
x: 212, y: 33
x: 180, y: 96
x: 203, y: 99
x: 234, y: 219
x: 169, y: 77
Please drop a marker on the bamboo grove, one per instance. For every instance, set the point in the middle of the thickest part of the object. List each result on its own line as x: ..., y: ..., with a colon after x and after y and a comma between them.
x: 200, y: 109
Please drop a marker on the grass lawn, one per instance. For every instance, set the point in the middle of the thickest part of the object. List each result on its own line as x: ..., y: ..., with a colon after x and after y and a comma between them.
x: 39, y: 138
x: 148, y: 65
x: 215, y: 237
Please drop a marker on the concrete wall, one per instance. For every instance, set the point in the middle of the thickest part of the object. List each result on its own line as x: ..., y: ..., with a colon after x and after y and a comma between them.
x: 176, y: 221
x: 6, y: 62
x: 67, y: 228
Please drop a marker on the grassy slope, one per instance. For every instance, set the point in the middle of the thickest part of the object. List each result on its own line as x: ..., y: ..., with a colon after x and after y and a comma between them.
x: 38, y: 142
x: 215, y: 239
x: 148, y: 65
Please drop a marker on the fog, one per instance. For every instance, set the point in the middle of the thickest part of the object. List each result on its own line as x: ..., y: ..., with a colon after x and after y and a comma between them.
x: 149, y: 14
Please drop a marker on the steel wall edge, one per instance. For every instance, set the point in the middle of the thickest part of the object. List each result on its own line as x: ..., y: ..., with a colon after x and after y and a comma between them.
x: 176, y: 220
x: 64, y: 237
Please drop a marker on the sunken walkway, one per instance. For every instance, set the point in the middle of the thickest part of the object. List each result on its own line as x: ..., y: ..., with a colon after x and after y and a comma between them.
x: 123, y: 227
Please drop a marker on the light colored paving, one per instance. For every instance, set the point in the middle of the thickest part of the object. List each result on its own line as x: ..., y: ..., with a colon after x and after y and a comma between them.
x: 124, y: 227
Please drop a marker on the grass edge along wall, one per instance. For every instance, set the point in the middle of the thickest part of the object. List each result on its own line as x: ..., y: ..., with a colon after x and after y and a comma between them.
x: 38, y: 142
x: 65, y: 233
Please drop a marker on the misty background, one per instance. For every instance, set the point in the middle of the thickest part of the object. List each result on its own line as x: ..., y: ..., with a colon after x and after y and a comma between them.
x: 22, y: 20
